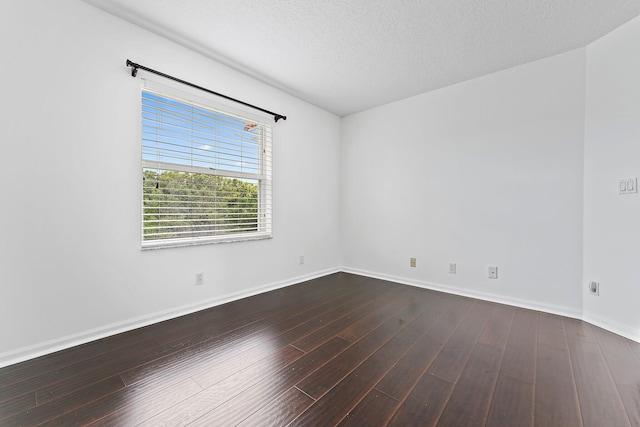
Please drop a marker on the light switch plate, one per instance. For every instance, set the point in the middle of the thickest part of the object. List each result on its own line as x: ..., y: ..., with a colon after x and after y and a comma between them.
x: 628, y: 185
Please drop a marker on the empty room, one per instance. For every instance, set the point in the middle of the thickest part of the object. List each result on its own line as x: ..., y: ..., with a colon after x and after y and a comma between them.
x: 344, y: 212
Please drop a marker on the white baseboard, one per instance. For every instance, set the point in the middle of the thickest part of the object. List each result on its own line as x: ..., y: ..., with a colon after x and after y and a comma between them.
x: 57, y: 344
x: 613, y: 326
x: 516, y: 302
x: 604, y: 323
x: 51, y: 346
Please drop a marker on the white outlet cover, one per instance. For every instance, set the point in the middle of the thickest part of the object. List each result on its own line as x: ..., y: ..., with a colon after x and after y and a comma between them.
x: 493, y: 272
x: 452, y: 268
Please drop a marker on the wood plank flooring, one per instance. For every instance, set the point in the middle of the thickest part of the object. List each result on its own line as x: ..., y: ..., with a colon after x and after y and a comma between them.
x: 339, y: 350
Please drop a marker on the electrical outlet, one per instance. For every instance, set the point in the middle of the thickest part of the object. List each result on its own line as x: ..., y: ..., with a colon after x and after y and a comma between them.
x: 452, y: 268
x: 493, y: 272
x: 199, y: 279
x: 301, y: 259
x: 412, y: 262
x: 594, y: 288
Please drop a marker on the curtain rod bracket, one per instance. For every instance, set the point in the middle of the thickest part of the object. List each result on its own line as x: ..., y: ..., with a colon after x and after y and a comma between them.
x: 134, y: 72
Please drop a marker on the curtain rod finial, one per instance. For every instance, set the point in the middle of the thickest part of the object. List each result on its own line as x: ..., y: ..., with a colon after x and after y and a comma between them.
x: 278, y: 117
x: 134, y: 69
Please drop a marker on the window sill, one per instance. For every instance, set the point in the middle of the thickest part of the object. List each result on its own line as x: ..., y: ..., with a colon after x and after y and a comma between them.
x: 178, y: 243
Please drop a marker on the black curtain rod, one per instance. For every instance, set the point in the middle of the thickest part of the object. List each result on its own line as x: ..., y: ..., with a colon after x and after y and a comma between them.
x: 134, y: 72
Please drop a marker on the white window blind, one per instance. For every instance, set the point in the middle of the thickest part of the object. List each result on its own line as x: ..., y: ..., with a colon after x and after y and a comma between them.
x: 206, y: 173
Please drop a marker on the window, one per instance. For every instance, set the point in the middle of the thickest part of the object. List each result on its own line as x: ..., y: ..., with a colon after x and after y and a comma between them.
x: 206, y: 173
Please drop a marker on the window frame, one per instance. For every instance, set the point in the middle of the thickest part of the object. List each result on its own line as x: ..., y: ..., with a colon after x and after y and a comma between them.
x: 263, y: 177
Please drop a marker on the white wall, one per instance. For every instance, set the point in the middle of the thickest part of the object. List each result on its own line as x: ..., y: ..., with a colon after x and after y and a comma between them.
x: 486, y: 172
x: 71, y: 265
x: 612, y: 152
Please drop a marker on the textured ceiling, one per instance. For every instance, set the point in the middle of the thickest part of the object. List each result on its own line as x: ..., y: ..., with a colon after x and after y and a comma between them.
x: 350, y: 55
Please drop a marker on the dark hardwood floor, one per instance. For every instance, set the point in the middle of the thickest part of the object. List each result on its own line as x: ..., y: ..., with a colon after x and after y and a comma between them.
x: 338, y: 350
